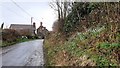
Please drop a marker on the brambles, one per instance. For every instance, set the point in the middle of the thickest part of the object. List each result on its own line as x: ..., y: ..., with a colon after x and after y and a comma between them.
x: 92, y: 35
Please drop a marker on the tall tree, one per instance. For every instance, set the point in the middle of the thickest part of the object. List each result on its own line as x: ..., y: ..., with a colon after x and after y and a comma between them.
x: 61, y: 8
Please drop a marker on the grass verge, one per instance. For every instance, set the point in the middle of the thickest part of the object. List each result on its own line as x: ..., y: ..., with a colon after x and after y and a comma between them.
x: 5, y: 43
x: 95, y: 47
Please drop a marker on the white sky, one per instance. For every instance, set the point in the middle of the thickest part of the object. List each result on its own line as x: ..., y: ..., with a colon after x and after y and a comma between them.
x: 40, y: 11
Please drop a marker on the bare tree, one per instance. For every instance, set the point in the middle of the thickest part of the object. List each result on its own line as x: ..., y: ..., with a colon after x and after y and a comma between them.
x: 58, y: 7
x: 61, y: 8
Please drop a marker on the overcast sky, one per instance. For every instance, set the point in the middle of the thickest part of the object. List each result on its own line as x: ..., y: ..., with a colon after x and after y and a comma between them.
x: 10, y: 13
x: 39, y: 10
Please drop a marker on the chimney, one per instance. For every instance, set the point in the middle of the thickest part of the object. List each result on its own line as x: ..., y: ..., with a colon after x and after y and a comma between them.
x: 34, y: 25
x: 40, y: 23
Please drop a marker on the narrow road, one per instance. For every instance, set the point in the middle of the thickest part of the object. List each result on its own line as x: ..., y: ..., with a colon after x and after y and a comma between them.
x: 24, y: 54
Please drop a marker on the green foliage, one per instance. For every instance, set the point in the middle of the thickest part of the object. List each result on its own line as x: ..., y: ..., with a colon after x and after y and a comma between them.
x: 101, y: 61
x: 49, y: 55
x: 81, y: 36
x: 113, y: 45
x: 107, y: 45
x: 72, y: 46
x: 96, y: 31
x: 22, y: 39
x: 100, y: 42
x: 4, y: 44
x: 79, y: 10
x: 19, y: 40
x: 10, y: 37
x: 104, y: 45
x: 80, y: 44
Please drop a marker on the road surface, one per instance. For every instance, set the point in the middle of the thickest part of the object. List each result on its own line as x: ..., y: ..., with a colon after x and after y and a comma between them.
x: 24, y: 54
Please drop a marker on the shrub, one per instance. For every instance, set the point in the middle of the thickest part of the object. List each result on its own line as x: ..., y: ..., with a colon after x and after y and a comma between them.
x: 58, y: 25
x: 36, y: 37
x: 29, y: 37
x: 10, y: 35
x: 79, y: 10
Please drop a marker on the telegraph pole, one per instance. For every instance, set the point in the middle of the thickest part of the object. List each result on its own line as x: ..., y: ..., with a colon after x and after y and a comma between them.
x: 31, y: 25
x: 31, y: 20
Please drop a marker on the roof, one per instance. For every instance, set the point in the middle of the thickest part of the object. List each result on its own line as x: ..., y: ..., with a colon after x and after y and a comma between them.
x: 21, y: 26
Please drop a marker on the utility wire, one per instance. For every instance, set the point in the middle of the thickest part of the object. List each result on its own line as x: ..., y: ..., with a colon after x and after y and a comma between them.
x: 20, y: 7
x: 23, y: 9
x: 14, y: 12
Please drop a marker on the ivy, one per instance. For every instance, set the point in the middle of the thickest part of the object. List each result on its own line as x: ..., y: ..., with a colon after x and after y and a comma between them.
x: 79, y: 10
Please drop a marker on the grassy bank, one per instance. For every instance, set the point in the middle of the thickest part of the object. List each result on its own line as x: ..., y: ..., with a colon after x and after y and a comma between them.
x: 5, y: 43
x: 96, y: 47
x: 88, y: 36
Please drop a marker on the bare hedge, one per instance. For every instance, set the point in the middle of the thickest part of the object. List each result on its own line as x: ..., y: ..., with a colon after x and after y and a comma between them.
x: 10, y: 35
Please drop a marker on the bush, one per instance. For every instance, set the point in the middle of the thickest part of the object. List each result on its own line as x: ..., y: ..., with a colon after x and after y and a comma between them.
x: 58, y: 25
x: 35, y: 37
x: 30, y: 37
x: 9, y: 35
x: 79, y: 10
